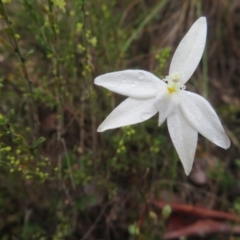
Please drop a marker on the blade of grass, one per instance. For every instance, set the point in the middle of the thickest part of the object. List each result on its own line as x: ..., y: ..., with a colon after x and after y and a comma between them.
x: 147, y: 19
x: 68, y: 164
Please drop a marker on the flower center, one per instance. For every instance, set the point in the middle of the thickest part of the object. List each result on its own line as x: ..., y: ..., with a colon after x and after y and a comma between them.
x: 174, y: 82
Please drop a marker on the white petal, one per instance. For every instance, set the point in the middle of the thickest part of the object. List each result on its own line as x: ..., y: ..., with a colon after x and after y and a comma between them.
x: 184, y: 138
x: 129, y: 112
x: 166, y: 104
x: 189, y: 52
x: 133, y: 83
x: 200, y: 114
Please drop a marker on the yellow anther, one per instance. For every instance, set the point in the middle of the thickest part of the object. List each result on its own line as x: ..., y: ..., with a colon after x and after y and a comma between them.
x: 171, y: 90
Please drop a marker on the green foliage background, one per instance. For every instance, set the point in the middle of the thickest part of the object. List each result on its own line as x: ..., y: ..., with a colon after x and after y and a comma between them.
x: 59, y: 178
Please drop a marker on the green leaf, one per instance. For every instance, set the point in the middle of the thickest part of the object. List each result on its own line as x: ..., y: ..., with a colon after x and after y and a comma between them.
x: 19, y: 139
x: 11, y: 114
x: 31, y: 51
x: 3, y: 121
x: 39, y: 142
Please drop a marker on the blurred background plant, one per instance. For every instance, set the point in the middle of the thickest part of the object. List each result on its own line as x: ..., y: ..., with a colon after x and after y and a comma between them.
x: 60, y: 179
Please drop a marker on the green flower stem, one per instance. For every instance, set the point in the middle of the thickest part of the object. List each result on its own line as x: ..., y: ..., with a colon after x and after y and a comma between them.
x: 174, y: 175
x: 155, y: 10
x: 56, y: 71
x: 88, y: 83
x: 204, y: 67
x: 83, y: 85
x: 69, y: 164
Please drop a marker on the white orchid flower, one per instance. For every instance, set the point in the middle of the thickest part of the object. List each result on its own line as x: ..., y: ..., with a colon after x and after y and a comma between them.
x: 187, y: 113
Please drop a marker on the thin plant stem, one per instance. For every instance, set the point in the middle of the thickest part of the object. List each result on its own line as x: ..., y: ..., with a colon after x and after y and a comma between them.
x: 68, y: 163
x: 57, y: 81
x: 174, y: 174
x: 89, y: 87
x: 95, y: 223
x: 146, y: 20
x: 56, y: 71
x: 82, y: 117
x: 204, y: 66
x: 82, y: 87
x: 34, y: 121
x: 198, y: 7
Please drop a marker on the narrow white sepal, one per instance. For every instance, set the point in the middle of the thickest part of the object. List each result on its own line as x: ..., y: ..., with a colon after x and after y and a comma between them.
x: 138, y: 84
x: 200, y: 114
x: 189, y: 52
x: 184, y: 138
x: 129, y: 112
